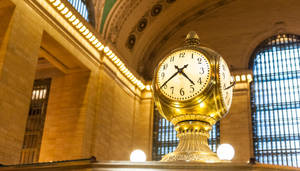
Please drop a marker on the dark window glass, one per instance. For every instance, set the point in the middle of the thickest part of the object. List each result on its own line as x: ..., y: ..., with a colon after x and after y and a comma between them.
x: 81, y: 7
x: 275, y: 100
x: 165, y: 140
x: 35, y: 122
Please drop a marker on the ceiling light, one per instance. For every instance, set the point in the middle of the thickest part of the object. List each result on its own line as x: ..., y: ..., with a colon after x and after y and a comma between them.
x: 68, y: 15
x: 56, y: 3
x: 106, y: 49
x: 75, y: 22
x: 60, y: 7
x: 64, y: 11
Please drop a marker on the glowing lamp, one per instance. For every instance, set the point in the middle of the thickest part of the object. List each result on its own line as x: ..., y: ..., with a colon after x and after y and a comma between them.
x: 148, y: 87
x: 237, y: 78
x: 243, y: 77
x: 225, y: 152
x: 138, y: 156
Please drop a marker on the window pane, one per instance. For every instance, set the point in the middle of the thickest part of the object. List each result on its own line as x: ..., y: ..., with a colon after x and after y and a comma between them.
x: 275, y: 101
x: 81, y: 7
x: 35, y: 122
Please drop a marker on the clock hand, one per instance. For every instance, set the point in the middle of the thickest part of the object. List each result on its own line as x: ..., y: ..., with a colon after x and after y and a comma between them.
x: 187, y: 77
x: 232, y: 84
x: 179, y: 71
x: 169, y: 79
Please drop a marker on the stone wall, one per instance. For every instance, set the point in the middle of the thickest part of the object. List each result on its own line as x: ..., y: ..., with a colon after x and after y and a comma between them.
x: 235, y: 128
x: 20, y: 41
x: 91, y: 111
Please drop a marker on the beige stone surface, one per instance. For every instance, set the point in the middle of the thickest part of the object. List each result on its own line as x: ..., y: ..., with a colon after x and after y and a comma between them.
x: 142, y: 138
x: 18, y: 58
x: 86, y: 164
x: 122, y: 122
x: 90, y: 110
x: 235, y: 128
x: 64, y: 128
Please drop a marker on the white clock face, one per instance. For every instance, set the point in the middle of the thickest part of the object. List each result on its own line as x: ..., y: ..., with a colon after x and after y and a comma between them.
x: 183, y: 75
x: 225, y: 79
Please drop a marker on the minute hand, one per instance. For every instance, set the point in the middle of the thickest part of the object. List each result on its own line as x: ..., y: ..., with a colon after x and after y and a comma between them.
x: 187, y: 77
x: 169, y: 79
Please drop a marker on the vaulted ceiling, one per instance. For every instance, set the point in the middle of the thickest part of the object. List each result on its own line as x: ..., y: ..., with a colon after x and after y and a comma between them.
x: 143, y: 31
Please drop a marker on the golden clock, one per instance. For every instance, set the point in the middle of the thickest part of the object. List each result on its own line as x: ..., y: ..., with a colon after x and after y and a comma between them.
x: 192, y: 89
x: 183, y: 75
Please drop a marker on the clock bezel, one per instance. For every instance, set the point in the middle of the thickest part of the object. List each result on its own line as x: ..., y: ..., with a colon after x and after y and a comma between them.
x: 194, y: 100
x: 226, y: 109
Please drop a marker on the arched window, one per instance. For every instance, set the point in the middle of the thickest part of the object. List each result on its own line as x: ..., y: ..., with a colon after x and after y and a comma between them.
x: 275, y: 100
x: 81, y: 7
x: 165, y: 140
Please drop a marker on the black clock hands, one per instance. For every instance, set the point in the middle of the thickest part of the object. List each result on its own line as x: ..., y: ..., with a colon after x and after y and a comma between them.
x: 187, y: 77
x: 169, y: 79
x: 180, y: 70
x: 231, y: 85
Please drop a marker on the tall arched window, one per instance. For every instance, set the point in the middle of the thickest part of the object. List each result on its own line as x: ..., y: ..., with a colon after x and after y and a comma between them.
x: 81, y: 7
x: 165, y: 140
x: 275, y: 100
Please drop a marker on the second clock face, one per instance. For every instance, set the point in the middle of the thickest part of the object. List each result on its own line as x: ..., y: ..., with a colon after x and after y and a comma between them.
x: 225, y: 80
x: 183, y: 75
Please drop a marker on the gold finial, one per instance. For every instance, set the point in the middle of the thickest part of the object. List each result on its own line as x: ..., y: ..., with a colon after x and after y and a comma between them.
x: 192, y: 39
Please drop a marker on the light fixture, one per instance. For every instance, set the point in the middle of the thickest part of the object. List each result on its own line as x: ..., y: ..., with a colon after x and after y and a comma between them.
x: 95, y: 41
x: 98, y: 45
x: 75, y: 22
x: 202, y: 104
x: 112, y: 55
x: 237, y: 78
x: 56, y: 3
x: 86, y: 32
x: 83, y: 28
x: 72, y: 18
x: 60, y: 7
x: 138, y: 156
x: 79, y: 25
x: 225, y: 152
x: 64, y: 11
x: 92, y: 38
x: 69, y: 14
x: 120, y: 63
x: 243, y: 77
x: 88, y: 35
x: 249, y: 77
x: 109, y: 53
x: 106, y: 49
x: 101, y: 48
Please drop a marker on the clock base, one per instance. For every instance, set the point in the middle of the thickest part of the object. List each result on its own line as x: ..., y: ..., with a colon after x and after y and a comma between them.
x: 192, y: 147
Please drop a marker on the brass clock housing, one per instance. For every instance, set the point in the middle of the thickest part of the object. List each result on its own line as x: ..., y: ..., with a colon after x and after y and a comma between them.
x: 193, y: 118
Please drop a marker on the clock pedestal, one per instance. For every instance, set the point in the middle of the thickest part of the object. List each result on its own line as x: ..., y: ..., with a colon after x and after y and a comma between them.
x: 193, y: 144
x: 192, y: 90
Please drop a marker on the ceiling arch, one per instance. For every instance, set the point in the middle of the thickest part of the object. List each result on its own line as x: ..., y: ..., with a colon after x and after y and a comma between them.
x: 143, y: 31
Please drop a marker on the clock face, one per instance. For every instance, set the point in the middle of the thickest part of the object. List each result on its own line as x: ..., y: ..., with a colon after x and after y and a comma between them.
x: 225, y: 80
x: 183, y: 75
